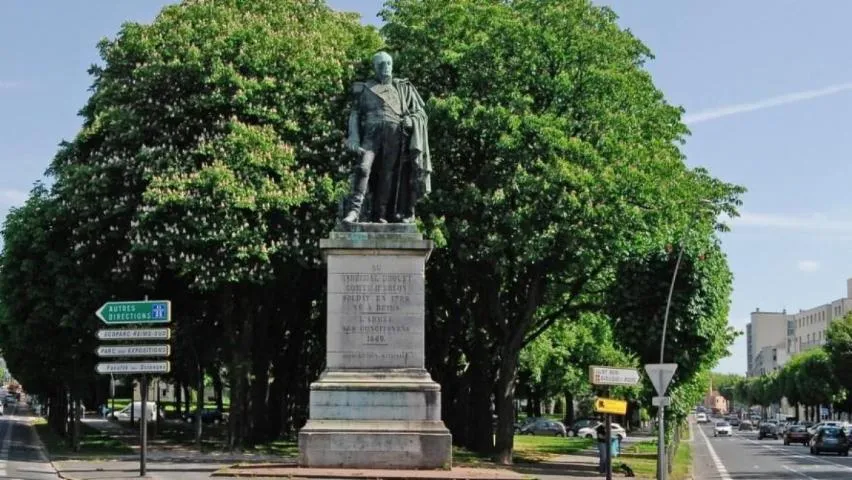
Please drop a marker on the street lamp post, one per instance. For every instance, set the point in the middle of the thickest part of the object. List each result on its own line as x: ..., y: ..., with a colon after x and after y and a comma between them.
x: 662, y: 467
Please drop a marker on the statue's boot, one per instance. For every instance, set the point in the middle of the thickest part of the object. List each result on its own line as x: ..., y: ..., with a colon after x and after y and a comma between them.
x: 351, y: 217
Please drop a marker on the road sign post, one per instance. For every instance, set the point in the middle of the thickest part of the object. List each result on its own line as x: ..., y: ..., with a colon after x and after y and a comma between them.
x: 661, y: 375
x: 135, y: 312
x: 599, y: 375
x: 143, y: 312
x: 606, y: 376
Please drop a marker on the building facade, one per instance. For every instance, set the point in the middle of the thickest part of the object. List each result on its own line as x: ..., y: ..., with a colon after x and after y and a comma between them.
x: 774, y: 337
x: 766, y: 341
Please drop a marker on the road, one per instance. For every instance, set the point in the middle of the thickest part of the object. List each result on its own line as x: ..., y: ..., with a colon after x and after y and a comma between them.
x: 745, y: 457
x: 21, y: 454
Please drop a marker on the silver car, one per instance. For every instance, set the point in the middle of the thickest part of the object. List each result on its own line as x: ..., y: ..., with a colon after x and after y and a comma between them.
x: 544, y: 427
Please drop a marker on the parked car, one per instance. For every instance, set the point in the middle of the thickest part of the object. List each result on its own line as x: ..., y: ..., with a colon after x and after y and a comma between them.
x: 796, y: 434
x: 830, y: 439
x: 767, y: 429
x: 124, y: 413
x: 525, y: 422
x: 617, y: 431
x: 580, y: 424
x: 544, y: 427
x: 208, y: 415
x: 722, y: 429
x: 746, y: 426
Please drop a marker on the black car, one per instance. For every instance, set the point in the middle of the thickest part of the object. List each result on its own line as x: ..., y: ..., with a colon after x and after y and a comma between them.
x: 767, y: 430
x: 830, y: 439
x: 208, y: 415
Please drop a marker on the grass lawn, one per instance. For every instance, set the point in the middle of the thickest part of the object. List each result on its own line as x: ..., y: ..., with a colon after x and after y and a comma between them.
x: 528, y: 449
x: 93, y: 443
x: 642, y: 459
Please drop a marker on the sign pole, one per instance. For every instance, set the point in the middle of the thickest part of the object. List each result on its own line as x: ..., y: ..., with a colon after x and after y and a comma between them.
x: 662, y: 468
x: 608, y: 464
x: 143, y: 452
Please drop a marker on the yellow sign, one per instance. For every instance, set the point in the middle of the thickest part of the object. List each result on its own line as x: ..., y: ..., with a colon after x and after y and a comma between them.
x: 610, y: 405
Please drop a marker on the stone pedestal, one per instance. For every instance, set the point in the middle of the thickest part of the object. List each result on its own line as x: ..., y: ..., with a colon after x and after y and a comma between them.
x: 375, y: 405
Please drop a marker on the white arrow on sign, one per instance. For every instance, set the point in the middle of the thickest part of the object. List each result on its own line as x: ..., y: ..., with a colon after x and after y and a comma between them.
x: 134, y: 334
x: 613, y: 376
x: 135, y: 351
x: 661, y: 375
x: 133, y: 367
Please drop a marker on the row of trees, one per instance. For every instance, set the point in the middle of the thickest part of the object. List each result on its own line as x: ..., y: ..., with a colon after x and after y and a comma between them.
x: 814, y: 378
x: 211, y: 162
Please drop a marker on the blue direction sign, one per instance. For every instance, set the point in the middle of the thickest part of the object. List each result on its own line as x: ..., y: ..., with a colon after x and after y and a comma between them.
x: 147, y: 311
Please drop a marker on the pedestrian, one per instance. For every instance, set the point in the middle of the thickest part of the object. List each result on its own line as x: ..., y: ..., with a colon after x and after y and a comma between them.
x: 601, y: 434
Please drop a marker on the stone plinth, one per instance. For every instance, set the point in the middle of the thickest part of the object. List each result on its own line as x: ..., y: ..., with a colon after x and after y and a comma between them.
x: 375, y: 406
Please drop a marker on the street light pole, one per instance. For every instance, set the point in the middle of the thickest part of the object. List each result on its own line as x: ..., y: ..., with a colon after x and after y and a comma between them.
x: 662, y: 467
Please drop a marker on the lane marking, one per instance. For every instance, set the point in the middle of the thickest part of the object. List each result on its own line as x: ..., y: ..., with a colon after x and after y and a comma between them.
x: 799, y: 455
x: 798, y: 472
x: 7, y: 440
x: 717, y: 462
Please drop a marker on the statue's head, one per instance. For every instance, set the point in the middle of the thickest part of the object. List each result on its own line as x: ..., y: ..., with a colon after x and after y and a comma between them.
x: 383, y: 66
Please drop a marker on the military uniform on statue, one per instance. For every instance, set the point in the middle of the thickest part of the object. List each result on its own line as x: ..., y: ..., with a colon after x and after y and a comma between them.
x: 388, y: 132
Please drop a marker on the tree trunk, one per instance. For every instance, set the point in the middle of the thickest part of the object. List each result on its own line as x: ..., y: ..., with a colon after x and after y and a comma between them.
x: 260, y: 376
x: 505, y: 387
x: 480, y: 433
x: 177, y: 401
x: 199, y: 405
x: 187, y: 399
x: 217, y: 389
x: 569, y: 409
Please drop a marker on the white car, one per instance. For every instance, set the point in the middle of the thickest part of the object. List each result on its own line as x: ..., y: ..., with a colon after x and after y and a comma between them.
x: 812, y: 430
x: 590, y: 431
x: 722, y: 429
x: 701, y: 418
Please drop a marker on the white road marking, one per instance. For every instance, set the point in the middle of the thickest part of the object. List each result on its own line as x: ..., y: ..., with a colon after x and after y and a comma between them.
x: 4, y: 448
x: 797, y: 455
x: 798, y: 472
x: 717, y: 462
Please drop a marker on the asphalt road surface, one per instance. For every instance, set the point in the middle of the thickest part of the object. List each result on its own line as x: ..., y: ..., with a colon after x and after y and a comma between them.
x: 743, y: 456
x: 21, y: 453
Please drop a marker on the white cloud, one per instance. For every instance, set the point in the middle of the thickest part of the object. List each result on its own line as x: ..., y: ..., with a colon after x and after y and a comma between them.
x: 728, y: 110
x: 7, y: 85
x: 808, y: 265
x: 815, y: 222
x: 12, y: 197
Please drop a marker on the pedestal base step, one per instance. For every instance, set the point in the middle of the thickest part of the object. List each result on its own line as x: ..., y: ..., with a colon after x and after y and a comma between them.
x: 375, y: 444
x: 292, y: 472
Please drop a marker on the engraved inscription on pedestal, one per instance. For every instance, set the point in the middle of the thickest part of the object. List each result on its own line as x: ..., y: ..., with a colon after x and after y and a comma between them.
x: 375, y: 312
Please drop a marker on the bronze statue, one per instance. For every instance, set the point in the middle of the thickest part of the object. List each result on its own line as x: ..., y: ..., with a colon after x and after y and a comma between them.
x: 388, y: 131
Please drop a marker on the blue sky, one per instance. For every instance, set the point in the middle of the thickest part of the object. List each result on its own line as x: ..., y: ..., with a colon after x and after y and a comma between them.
x: 767, y: 86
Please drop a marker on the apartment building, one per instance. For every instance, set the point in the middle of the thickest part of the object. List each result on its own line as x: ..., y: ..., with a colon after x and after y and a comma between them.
x: 766, y: 341
x: 811, y: 324
x: 774, y: 337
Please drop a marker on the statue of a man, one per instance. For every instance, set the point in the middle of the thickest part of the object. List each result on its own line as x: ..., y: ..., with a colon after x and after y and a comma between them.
x: 388, y: 131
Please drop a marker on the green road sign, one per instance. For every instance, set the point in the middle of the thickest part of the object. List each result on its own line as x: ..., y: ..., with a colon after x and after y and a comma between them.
x: 148, y: 311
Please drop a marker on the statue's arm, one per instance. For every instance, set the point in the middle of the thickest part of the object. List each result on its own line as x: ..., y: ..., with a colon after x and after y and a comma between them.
x: 354, y: 140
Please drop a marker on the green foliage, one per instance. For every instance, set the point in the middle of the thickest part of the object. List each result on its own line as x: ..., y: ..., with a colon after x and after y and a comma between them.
x: 556, y: 159
x: 838, y: 346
